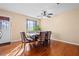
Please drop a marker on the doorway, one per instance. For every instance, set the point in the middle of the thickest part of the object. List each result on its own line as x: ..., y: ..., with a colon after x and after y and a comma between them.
x: 4, y: 30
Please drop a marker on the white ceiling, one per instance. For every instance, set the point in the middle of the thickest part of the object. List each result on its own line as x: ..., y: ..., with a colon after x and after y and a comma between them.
x: 34, y: 9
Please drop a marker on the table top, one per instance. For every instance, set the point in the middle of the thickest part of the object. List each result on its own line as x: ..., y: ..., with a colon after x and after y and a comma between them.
x: 31, y: 34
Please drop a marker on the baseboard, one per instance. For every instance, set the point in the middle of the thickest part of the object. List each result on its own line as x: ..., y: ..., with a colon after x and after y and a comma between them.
x: 3, y: 44
x: 67, y: 42
x: 16, y: 41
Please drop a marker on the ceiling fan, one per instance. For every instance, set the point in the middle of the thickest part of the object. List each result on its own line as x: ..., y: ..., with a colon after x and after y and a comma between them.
x: 45, y: 14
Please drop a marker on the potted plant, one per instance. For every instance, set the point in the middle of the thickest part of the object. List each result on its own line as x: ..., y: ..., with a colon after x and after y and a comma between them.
x: 36, y: 28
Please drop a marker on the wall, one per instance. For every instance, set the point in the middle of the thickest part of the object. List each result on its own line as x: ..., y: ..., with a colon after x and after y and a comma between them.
x: 64, y: 26
x: 18, y: 23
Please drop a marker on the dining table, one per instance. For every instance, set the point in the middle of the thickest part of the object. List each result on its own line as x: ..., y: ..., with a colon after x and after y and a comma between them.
x: 33, y: 36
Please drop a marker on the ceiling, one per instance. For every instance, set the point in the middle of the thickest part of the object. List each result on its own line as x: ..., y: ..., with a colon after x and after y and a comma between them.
x: 34, y: 9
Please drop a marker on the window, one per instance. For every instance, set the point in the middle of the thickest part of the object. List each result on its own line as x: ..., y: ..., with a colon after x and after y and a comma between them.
x: 30, y: 25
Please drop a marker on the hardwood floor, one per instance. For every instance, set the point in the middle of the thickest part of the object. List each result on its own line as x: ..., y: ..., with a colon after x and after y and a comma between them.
x: 5, y: 49
x: 56, y: 48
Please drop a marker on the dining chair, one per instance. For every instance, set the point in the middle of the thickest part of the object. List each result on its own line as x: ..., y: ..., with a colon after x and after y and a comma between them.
x: 41, y: 39
x: 25, y: 40
x: 48, y: 36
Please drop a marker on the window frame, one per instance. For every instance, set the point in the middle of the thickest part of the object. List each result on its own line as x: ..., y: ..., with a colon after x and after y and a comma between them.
x: 27, y: 25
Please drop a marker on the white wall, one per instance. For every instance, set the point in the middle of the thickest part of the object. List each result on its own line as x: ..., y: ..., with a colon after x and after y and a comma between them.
x: 64, y: 26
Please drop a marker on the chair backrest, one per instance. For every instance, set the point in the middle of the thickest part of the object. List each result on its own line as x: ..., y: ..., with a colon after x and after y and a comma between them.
x: 23, y: 36
x: 48, y: 35
x: 42, y: 35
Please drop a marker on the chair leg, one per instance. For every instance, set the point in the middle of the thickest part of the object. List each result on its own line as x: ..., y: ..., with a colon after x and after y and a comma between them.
x: 35, y: 44
x: 23, y: 47
x: 41, y: 44
x: 44, y: 43
x: 49, y: 42
x: 30, y: 45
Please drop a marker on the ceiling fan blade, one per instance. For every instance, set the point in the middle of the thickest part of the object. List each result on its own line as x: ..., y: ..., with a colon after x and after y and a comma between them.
x: 50, y: 14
